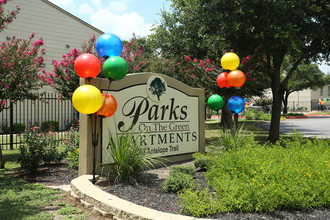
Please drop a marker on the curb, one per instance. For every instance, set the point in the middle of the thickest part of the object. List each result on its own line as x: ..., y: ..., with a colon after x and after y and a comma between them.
x: 113, y: 207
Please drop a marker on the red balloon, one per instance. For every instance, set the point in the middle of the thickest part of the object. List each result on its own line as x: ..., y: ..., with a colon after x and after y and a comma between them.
x: 222, y: 80
x: 109, y: 106
x: 236, y: 78
x: 87, y: 66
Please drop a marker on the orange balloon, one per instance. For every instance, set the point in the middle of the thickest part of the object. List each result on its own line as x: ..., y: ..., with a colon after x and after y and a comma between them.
x: 222, y: 80
x: 322, y: 102
x: 109, y: 106
x: 87, y: 66
x: 236, y: 78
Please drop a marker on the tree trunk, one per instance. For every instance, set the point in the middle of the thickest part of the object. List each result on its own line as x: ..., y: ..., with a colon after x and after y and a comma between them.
x: 285, y: 103
x: 226, y: 117
x: 2, y: 162
x: 274, y: 131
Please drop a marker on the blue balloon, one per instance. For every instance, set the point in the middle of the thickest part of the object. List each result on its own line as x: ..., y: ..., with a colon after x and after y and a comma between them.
x: 235, y: 104
x: 319, y: 104
x: 109, y: 45
x: 246, y: 100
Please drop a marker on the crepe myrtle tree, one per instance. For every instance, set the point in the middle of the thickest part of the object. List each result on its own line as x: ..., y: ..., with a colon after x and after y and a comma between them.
x: 20, y: 69
x: 20, y: 62
x: 5, y: 19
x: 64, y: 79
x: 203, y: 73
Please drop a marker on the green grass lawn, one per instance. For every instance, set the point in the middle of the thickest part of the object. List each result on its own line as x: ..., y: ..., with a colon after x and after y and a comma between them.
x: 321, y: 113
x: 20, y: 199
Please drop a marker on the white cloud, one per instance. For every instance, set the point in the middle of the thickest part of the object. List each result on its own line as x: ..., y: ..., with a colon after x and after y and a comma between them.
x: 97, y: 3
x: 85, y: 8
x: 123, y: 25
x: 63, y: 3
x: 117, y: 6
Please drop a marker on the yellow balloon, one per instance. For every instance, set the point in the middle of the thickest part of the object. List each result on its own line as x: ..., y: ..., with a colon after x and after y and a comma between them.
x: 246, y: 106
x: 230, y: 61
x: 87, y: 99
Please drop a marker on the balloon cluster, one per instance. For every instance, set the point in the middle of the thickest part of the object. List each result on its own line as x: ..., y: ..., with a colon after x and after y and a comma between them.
x: 235, y: 78
x: 88, y: 99
x: 321, y: 102
x: 246, y: 103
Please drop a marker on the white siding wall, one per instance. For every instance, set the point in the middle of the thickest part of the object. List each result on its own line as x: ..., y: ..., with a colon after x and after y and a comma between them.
x: 300, y: 99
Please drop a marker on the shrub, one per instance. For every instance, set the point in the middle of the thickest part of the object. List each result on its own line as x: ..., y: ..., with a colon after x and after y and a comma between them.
x: 71, y: 146
x: 38, y: 148
x: 201, y: 161
x: 130, y: 156
x: 265, y: 178
x: 266, y: 117
x: 50, y: 126
x: 234, y: 139
x: 17, y: 128
x: 190, y: 170
x: 74, y: 123
x: 177, y: 181
x: 249, y: 114
x: 71, y: 140
x: 73, y: 157
x: 258, y: 114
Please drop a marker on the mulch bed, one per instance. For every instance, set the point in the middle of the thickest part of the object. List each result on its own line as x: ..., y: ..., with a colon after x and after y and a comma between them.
x: 49, y: 175
x: 148, y: 192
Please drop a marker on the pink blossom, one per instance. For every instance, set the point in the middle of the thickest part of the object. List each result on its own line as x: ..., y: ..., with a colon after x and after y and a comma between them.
x: 187, y: 58
x: 4, y: 103
x: 208, y: 69
x: 195, y: 60
x: 248, y: 74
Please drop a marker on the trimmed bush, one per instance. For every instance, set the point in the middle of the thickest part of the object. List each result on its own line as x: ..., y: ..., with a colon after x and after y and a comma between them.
x: 190, y: 170
x: 50, y: 126
x: 177, y: 181
x: 249, y: 114
x: 201, y: 161
x: 258, y: 114
x: 17, y: 128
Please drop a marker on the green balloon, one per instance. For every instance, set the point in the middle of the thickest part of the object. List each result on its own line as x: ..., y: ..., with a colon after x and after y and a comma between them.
x: 115, y: 68
x: 215, y: 102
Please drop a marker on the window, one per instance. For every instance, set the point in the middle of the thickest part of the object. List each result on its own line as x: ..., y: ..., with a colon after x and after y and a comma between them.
x: 321, y: 91
x: 328, y: 90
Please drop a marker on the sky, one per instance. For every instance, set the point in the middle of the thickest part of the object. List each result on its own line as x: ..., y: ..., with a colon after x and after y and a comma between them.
x: 123, y: 17
x: 120, y: 17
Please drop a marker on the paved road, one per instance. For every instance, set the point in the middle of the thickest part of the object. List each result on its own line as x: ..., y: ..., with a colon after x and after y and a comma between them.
x: 309, y: 127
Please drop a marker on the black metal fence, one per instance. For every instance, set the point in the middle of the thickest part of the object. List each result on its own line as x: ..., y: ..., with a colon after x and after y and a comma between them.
x: 49, y: 110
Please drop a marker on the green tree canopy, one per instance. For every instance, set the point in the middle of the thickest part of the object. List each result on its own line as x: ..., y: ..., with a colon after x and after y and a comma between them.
x: 264, y: 28
x: 306, y: 76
